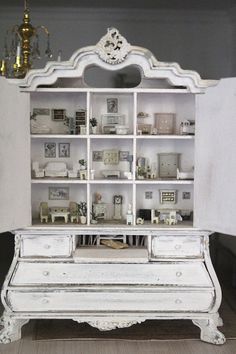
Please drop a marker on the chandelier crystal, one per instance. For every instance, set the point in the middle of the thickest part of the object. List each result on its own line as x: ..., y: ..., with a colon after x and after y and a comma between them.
x: 22, y: 47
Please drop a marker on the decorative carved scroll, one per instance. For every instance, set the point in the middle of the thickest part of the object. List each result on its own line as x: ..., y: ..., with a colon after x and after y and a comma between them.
x: 113, y: 48
x: 103, y: 325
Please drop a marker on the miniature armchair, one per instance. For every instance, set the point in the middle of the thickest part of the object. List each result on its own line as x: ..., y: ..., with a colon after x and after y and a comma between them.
x: 74, y: 172
x: 37, y: 172
x: 44, y: 212
x: 74, y: 212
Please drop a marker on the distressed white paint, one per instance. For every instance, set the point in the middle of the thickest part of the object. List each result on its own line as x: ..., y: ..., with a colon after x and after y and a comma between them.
x: 179, y: 274
x: 15, y: 210
x: 171, y: 276
x: 40, y: 246
x: 115, y: 301
x: 215, y: 158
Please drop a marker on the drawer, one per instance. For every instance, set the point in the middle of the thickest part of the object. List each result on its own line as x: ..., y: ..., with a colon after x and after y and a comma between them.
x: 180, y: 274
x: 176, y: 246
x: 108, y: 300
x: 46, y: 245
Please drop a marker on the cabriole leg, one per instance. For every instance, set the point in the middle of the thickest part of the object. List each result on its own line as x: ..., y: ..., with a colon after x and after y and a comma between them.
x: 209, y: 331
x: 11, y: 330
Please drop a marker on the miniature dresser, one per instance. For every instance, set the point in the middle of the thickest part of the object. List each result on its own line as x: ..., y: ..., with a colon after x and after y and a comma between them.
x: 118, y: 233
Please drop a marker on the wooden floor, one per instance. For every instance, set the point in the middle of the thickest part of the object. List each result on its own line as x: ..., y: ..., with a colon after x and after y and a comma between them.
x: 29, y: 346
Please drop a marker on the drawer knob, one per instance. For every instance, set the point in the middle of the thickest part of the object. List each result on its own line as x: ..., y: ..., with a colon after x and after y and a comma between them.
x: 179, y: 274
x: 47, y: 246
x: 45, y: 301
x: 177, y: 247
x: 178, y: 301
x: 46, y: 273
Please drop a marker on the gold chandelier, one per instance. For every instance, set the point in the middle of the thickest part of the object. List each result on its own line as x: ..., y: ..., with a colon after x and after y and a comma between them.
x: 21, y: 47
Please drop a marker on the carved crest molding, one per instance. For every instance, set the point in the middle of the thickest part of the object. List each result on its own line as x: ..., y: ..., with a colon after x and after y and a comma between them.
x: 113, y: 48
x: 108, y: 325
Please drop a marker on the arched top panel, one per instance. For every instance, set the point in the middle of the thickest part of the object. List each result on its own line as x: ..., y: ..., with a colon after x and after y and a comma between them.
x: 114, y: 53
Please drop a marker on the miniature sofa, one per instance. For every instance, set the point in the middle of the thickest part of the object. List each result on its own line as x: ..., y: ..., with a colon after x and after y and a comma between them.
x: 56, y: 169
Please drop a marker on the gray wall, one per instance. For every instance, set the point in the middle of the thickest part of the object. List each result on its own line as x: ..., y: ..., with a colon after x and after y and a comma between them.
x: 198, y: 40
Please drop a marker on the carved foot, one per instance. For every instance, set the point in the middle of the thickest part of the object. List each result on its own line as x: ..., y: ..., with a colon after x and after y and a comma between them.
x: 209, y: 331
x: 11, y: 328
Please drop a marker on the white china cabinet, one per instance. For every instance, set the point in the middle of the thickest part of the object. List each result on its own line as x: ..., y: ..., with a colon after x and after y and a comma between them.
x: 83, y: 168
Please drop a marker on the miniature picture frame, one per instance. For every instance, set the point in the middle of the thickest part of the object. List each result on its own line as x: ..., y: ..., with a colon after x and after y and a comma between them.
x: 41, y: 111
x: 148, y: 195
x: 112, y: 105
x: 49, y: 150
x: 64, y: 149
x: 168, y: 196
x: 97, y: 156
x: 123, y: 155
x: 186, y: 195
x: 58, y: 193
x: 58, y: 114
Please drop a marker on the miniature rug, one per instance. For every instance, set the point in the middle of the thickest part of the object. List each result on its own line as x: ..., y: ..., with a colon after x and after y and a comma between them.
x: 148, y: 330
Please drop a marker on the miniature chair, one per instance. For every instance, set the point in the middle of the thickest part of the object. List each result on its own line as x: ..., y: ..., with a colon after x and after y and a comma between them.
x: 44, y: 212
x: 74, y: 215
x: 74, y: 172
x: 154, y: 218
x: 172, y: 219
x: 37, y: 172
x: 83, y: 174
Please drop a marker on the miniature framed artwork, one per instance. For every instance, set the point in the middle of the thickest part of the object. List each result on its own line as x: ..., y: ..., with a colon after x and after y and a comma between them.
x: 168, y: 196
x: 41, y: 111
x: 49, y: 150
x: 112, y: 105
x: 123, y: 155
x: 148, y: 195
x: 58, y: 193
x: 186, y: 195
x: 64, y: 149
x: 58, y: 114
x: 97, y: 156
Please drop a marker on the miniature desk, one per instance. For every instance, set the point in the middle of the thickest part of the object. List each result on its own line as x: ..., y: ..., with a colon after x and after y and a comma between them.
x: 58, y: 212
x: 100, y: 210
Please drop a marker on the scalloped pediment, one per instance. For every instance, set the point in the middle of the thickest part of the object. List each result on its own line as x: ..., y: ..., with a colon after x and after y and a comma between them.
x: 114, y: 53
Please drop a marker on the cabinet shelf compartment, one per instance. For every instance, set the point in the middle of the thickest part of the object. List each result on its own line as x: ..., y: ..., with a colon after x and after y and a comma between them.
x: 111, y: 159
x: 58, y: 159
x: 113, y: 112
x: 58, y: 113
x: 158, y: 160
x: 61, y: 203
x: 109, y: 204
x: 182, y: 107
x: 150, y: 203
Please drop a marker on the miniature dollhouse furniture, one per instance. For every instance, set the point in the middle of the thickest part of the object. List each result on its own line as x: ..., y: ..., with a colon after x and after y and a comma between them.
x: 73, y: 209
x: 74, y: 172
x: 58, y: 271
x: 44, y: 212
x: 56, y: 169
x: 100, y: 211
x: 37, y: 172
x: 59, y: 212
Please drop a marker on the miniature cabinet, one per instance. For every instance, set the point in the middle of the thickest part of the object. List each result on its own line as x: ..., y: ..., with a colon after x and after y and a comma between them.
x: 115, y: 155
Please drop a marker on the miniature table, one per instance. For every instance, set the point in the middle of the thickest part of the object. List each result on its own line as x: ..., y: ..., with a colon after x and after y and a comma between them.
x: 57, y: 212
